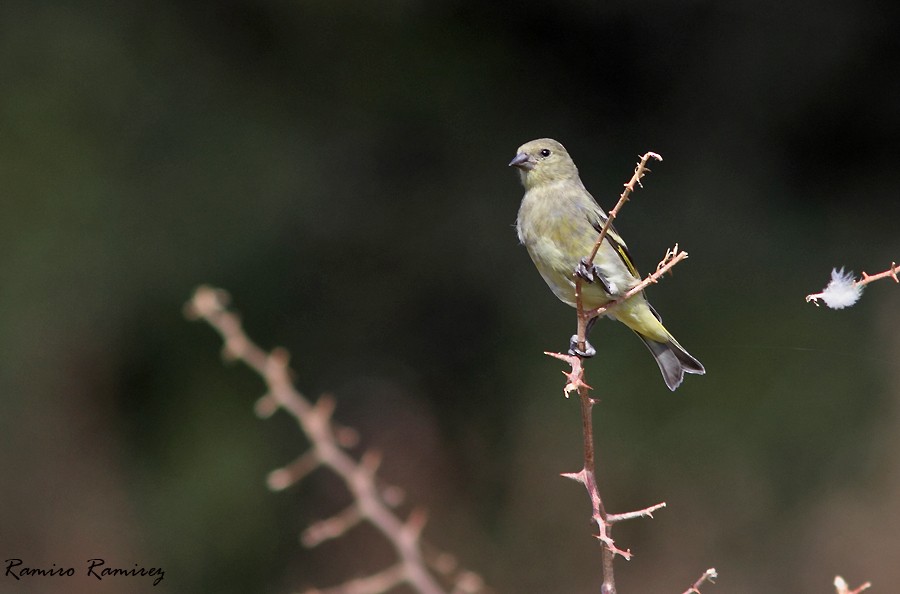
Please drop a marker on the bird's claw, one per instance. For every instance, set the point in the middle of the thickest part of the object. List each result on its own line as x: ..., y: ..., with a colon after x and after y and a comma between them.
x: 586, y: 272
x: 591, y: 274
x: 588, y: 352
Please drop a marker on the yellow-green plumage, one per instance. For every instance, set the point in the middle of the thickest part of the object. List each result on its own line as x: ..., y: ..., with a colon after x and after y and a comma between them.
x: 558, y: 223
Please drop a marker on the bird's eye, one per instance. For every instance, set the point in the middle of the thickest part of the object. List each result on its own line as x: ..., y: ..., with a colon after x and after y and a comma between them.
x: 545, y: 152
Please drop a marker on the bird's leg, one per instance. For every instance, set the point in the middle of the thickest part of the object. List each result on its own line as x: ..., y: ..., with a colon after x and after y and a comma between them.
x: 591, y: 273
x: 589, y: 351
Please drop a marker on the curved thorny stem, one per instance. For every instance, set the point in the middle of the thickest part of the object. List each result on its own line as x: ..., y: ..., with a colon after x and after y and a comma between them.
x: 844, y: 281
x: 708, y: 576
x: 372, y: 501
x: 639, y: 172
x: 576, y: 383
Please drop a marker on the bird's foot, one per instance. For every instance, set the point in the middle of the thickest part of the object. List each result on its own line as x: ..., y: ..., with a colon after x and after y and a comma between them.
x: 591, y: 274
x: 588, y: 351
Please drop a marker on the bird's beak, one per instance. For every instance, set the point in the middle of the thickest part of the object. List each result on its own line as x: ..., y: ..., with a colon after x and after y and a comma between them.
x: 522, y: 161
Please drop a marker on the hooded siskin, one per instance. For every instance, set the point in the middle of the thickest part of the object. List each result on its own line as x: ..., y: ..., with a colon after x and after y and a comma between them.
x: 558, y: 223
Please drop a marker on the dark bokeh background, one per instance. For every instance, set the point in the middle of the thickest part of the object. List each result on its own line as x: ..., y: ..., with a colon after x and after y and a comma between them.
x: 340, y: 168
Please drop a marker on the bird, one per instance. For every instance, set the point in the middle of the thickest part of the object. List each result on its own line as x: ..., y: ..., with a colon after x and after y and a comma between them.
x: 559, y: 223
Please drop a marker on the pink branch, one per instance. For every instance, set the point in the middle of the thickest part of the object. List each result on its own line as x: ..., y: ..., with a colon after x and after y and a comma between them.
x: 673, y: 256
x: 889, y: 273
x: 639, y: 172
x: 371, y: 503
x: 708, y: 576
x: 842, y: 588
x: 575, y: 383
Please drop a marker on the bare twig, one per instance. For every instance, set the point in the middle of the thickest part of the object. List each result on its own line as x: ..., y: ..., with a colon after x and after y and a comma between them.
x: 842, y: 588
x: 333, y: 527
x: 587, y: 476
x: 377, y: 583
x: 708, y: 576
x: 845, y: 281
x: 371, y: 503
x: 673, y: 256
x: 639, y: 172
x: 647, y: 512
x: 575, y: 377
x: 575, y: 382
x: 889, y: 273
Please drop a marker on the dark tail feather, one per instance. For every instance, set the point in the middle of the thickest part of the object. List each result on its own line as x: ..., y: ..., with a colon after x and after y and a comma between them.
x: 673, y: 361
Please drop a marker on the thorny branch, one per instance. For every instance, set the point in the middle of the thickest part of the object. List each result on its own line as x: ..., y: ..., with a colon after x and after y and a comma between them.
x: 890, y: 272
x: 575, y: 383
x: 639, y: 172
x: 708, y: 576
x: 371, y: 502
x: 865, y: 279
x: 587, y: 475
x: 842, y: 588
x: 673, y: 256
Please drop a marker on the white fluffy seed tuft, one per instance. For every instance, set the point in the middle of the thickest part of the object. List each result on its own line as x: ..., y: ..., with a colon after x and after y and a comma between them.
x: 842, y: 290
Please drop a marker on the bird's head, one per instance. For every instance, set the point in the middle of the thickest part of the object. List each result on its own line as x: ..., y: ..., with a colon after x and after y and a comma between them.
x: 543, y: 161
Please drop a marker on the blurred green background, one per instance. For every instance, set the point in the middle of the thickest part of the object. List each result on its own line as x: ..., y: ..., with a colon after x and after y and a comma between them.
x: 340, y: 169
